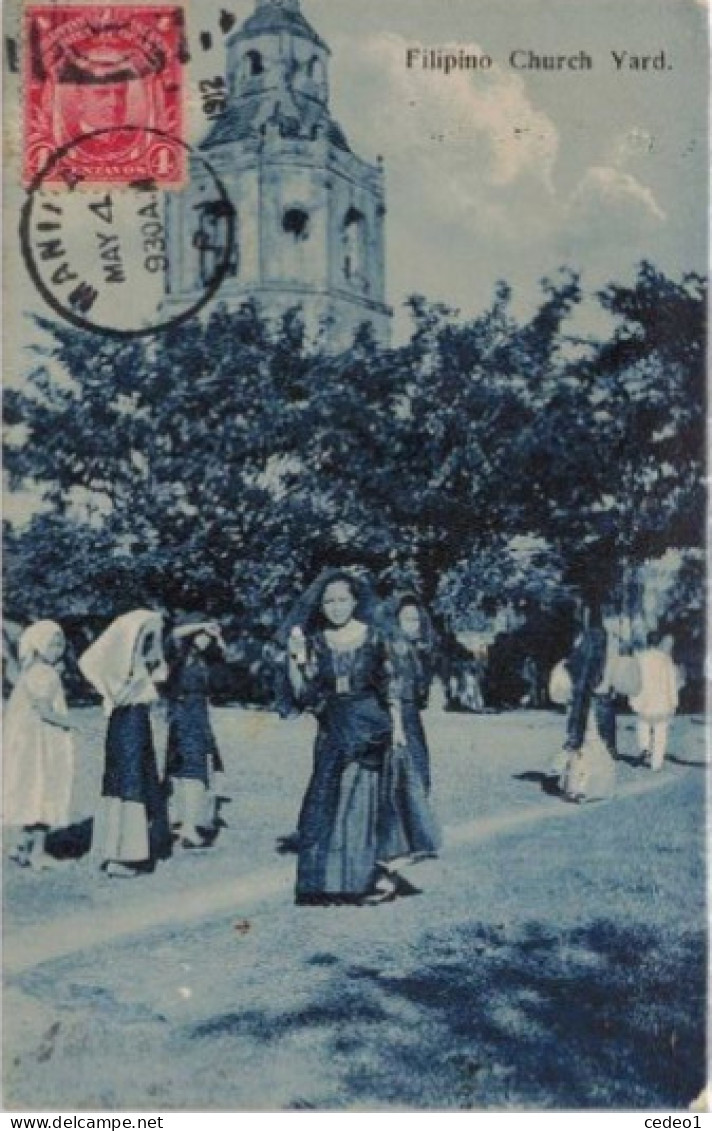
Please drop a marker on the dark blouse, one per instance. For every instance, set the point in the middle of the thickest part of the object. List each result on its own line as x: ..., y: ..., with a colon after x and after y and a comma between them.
x: 412, y: 671
x: 364, y: 670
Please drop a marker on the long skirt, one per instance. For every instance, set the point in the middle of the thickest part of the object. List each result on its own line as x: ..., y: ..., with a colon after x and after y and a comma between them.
x: 408, y: 824
x: 339, y: 819
x: 416, y: 742
x: 38, y: 765
x: 590, y: 773
x: 132, y: 823
x: 192, y: 749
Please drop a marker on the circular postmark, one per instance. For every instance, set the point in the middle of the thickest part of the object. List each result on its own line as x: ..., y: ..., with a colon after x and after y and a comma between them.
x: 133, y: 260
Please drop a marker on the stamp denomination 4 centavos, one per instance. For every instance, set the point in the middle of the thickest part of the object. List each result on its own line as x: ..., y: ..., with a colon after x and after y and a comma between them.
x: 91, y: 69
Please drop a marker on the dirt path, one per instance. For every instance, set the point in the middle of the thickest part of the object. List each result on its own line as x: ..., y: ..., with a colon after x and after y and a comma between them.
x: 82, y: 931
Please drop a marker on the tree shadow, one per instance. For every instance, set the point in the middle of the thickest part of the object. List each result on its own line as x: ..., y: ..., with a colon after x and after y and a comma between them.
x: 603, y: 1017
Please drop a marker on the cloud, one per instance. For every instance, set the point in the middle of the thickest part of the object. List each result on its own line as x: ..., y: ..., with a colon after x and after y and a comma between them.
x: 488, y: 107
x: 619, y: 194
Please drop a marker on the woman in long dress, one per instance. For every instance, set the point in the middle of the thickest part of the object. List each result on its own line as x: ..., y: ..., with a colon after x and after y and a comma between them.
x: 408, y: 826
x: 193, y: 757
x: 131, y: 827
x: 338, y: 669
x: 589, y: 773
x: 38, y: 754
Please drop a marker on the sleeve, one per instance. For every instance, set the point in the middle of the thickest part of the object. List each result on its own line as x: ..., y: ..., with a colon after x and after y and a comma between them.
x: 43, y: 686
x: 315, y: 688
x: 393, y: 654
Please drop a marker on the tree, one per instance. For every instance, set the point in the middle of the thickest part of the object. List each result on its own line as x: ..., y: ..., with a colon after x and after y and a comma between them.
x: 221, y: 467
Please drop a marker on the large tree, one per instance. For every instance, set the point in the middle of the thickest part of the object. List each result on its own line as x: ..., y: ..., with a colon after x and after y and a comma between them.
x: 223, y: 464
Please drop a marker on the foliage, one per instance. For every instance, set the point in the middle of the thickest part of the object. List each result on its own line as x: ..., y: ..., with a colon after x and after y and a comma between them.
x: 223, y: 465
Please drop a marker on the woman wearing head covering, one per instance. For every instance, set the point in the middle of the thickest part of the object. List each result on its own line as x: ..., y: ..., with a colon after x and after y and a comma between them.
x: 193, y: 757
x: 589, y: 772
x: 408, y: 824
x: 131, y: 831
x: 338, y: 669
x: 38, y: 754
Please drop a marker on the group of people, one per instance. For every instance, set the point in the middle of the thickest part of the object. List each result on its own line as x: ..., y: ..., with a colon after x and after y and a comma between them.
x: 361, y: 667
x: 590, y: 683
x: 133, y: 827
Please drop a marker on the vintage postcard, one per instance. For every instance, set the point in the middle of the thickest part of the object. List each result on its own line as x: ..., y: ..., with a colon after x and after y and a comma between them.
x: 354, y: 617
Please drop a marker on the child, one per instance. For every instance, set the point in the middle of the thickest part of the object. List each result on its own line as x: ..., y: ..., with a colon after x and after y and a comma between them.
x: 38, y: 749
x: 131, y: 831
x: 193, y: 757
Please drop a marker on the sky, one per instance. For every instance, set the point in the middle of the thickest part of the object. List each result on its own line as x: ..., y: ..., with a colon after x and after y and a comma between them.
x: 512, y: 174
x: 496, y: 174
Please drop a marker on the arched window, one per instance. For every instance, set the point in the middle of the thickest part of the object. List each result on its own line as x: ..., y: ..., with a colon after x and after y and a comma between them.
x: 295, y: 222
x: 353, y: 239
x: 316, y: 70
x: 252, y: 64
x: 209, y: 241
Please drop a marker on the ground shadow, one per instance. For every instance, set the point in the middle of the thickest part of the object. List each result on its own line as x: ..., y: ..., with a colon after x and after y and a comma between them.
x: 72, y: 842
x: 548, y: 782
x: 685, y: 762
x: 490, y: 1018
x: 633, y: 760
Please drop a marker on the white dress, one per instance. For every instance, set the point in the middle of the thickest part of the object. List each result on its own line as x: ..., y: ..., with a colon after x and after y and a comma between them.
x: 658, y: 693
x: 38, y: 757
x: 590, y: 773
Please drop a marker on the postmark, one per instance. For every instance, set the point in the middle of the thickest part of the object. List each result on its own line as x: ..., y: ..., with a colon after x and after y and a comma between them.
x: 100, y: 257
x: 93, y: 69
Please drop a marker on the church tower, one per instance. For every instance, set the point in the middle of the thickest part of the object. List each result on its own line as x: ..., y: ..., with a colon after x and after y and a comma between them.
x: 309, y: 212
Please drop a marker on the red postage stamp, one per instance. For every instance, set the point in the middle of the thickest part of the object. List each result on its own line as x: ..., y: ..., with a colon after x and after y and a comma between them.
x: 103, y: 94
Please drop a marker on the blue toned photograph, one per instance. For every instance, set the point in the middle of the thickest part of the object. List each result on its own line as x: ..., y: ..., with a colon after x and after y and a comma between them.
x: 354, y: 681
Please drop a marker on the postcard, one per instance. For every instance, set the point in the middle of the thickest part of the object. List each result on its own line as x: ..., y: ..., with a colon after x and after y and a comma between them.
x: 354, y: 624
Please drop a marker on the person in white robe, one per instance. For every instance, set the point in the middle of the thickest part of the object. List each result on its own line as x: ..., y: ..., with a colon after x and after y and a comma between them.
x: 656, y: 702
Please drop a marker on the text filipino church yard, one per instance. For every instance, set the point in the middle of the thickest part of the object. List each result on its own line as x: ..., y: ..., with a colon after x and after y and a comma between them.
x: 555, y: 956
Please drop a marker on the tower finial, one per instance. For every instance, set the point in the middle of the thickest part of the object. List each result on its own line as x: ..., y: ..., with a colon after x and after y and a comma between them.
x: 288, y: 5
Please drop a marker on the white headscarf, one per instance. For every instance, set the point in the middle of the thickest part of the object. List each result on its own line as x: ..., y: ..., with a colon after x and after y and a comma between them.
x: 36, y: 639
x: 115, y: 664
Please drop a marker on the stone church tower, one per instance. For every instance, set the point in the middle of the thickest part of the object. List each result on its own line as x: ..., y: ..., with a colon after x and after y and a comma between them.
x: 309, y: 212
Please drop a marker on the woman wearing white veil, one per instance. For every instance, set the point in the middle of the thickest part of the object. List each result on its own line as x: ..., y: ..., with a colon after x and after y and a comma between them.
x: 131, y: 829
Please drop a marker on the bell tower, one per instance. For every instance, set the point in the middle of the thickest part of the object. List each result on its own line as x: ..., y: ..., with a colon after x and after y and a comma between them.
x: 310, y: 213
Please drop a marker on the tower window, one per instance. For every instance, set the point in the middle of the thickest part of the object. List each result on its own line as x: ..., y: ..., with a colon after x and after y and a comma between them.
x: 296, y: 223
x: 316, y: 70
x: 253, y: 64
x: 353, y: 239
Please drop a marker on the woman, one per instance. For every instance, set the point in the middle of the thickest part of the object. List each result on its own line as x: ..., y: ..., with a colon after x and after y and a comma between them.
x: 337, y: 668
x: 656, y: 701
x: 589, y: 773
x: 408, y: 826
x: 193, y: 757
x: 38, y: 755
x: 131, y: 831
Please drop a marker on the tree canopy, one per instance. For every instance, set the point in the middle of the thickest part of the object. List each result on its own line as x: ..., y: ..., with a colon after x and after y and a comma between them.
x: 221, y: 466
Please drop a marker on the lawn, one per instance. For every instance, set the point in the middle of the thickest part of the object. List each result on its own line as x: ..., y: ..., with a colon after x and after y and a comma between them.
x: 554, y: 958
